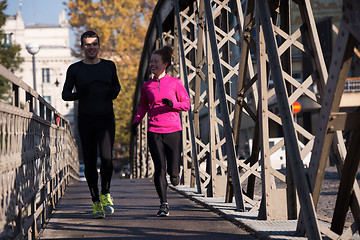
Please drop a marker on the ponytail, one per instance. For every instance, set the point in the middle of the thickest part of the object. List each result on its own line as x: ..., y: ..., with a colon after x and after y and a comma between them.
x: 166, y: 54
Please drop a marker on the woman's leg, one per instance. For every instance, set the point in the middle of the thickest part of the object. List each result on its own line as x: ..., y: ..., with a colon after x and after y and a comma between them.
x: 156, y: 148
x: 173, y: 148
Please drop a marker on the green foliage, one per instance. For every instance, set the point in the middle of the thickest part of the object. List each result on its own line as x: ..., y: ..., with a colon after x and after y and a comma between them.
x: 3, y: 6
x: 122, y: 26
x: 9, y: 55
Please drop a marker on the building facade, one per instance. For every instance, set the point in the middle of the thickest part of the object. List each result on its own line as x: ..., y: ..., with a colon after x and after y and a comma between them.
x: 51, y: 62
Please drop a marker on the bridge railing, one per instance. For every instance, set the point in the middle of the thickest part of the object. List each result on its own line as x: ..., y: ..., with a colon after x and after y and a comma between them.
x: 38, y: 159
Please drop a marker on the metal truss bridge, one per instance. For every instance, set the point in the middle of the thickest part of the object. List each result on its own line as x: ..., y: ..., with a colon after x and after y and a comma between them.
x: 236, y: 61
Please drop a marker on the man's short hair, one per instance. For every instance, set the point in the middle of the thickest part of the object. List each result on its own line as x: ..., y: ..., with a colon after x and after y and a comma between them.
x: 89, y: 34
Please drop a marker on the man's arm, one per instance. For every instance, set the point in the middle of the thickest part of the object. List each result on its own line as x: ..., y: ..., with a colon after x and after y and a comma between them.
x: 67, y: 93
x: 115, y: 85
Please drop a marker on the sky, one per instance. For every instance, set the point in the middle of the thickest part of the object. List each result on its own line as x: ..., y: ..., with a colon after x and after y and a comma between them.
x: 37, y: 11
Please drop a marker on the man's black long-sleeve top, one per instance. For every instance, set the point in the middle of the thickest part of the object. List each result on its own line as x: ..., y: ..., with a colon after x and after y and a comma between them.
x: 96, y: 86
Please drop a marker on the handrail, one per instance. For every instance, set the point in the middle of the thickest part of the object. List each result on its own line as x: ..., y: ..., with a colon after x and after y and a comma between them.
x: 38, y: 159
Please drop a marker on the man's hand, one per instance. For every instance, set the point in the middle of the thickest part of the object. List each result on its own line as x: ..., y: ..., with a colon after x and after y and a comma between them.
x: 167, y: 102
x: 83, y: 92
x: 134, y: 128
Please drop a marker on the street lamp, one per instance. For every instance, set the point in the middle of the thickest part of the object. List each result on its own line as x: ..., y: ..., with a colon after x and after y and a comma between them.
x: 7, y: 40
x: 58, y: 75
x: 33, y: 48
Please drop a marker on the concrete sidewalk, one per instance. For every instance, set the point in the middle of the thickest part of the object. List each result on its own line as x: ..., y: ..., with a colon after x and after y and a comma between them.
x: 276, y: 229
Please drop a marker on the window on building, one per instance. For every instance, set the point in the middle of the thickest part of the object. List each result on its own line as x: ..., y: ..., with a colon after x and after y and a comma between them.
x: 352, y: 85
x: 47, y: 98
x: 297, y: 76
x: 46, y: 75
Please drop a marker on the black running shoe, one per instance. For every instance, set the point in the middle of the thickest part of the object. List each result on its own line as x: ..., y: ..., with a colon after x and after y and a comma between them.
x: 175, y: 180
x: 163, y: 210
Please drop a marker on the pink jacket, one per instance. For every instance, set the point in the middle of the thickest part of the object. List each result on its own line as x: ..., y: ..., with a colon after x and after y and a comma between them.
x: 162, y: 118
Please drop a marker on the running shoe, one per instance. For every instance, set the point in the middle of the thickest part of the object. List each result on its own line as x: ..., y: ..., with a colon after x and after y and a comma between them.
x: 98, y: 211
x: 163, y: 210
x: 107, y: 202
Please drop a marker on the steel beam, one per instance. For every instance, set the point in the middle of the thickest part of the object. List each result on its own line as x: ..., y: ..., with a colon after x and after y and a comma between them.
x: 230, y: 150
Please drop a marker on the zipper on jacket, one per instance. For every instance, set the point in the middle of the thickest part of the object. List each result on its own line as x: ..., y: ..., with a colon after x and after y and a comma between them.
x: 160, y: 77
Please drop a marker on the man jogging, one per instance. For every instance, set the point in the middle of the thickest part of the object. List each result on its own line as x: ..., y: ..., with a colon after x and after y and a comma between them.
x: 96, y: 85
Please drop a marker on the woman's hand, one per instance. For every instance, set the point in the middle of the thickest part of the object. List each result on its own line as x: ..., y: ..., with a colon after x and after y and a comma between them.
x: 167, y: 102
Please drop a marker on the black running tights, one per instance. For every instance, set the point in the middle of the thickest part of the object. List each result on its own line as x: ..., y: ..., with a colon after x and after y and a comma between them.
x: 97, y: 133
x: 165, y: 149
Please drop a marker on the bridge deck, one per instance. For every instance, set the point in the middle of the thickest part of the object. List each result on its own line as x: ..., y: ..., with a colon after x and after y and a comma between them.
x: 136, y: 204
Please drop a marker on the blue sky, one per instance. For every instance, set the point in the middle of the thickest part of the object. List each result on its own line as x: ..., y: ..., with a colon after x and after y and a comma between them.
x: 37, y: 11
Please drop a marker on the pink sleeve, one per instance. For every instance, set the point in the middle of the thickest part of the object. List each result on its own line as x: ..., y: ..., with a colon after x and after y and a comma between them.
x: 182, y: 96
x: 143, y: 107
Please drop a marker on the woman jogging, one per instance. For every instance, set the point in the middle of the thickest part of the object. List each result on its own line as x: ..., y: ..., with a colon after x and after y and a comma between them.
x: 163, y: 97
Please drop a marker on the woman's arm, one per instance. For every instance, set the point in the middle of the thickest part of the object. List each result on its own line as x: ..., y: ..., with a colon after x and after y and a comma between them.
x: 182, y: 96
x: 143, y: 107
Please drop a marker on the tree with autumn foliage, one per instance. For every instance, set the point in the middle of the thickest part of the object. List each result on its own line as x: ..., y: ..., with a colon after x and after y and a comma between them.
x: 122, y: 26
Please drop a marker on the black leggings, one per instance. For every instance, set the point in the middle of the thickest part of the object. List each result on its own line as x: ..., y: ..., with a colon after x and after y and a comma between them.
x: 97, y: 133
x: 165, y: 149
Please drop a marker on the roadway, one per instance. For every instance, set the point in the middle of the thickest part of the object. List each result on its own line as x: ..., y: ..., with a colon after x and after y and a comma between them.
x: 136, y: 204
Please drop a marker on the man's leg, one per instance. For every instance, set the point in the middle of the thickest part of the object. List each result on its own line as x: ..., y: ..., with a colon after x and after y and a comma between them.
x: 89, y: 149
x: 106, y: 137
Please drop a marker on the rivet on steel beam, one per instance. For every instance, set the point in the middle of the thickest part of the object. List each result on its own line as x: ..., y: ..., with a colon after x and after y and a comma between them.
x: 331, y: 129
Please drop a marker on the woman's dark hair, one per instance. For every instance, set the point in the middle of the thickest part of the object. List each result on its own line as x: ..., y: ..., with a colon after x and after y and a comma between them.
x: 166, y: 54
x: 89, y: 34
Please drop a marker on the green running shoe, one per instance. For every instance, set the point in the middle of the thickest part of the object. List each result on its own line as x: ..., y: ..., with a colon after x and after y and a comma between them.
x: 98, y: 211
x: 107, y: 202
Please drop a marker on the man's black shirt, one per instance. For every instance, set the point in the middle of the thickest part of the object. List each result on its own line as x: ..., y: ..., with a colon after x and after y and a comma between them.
x: 96, y: 86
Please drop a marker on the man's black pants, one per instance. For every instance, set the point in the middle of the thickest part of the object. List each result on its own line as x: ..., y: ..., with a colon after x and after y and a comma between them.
x: 97, y: 132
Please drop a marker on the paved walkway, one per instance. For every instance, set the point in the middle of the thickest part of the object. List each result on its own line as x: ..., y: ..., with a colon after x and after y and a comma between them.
x: 136, y: 204
x: 275, y: 229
